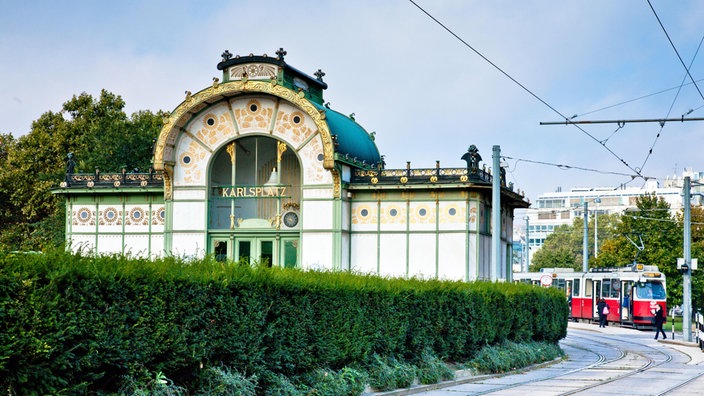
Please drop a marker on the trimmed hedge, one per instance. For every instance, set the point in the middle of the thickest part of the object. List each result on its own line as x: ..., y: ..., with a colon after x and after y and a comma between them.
x: 73, y: 324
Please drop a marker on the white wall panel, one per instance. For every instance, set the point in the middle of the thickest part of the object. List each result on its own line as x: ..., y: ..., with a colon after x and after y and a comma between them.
x: 137, y: 218
x: 137, y: 245
x: 452, y: 256
x: 473, y: 257
x: 453, y: 215
x: 317, y: 193
x: 188, y: 216
x: 181, y: 194
x: 110, y: 218
x: 392, y: 255
x: 110, y: 244
x: 316, y: 250
x: 422, y: 216
x: 83, y: 243
x: 83, y: 218
x: 393, y: 216
x: 317, y: 215
x: 157, y: 248
x: 345, y: 220
x: 421, y: 255
x: 364, y: 216
x: 345, y: 252
x: 364, y: 253
x: 188, y: 244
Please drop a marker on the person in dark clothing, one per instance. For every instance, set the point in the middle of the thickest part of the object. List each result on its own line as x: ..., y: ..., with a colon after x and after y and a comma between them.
x: 659, y: 320
x: 600, y: 307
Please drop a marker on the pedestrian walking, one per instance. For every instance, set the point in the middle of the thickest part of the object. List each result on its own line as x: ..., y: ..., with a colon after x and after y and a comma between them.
x: 603, y: 310
x: 659, y: 314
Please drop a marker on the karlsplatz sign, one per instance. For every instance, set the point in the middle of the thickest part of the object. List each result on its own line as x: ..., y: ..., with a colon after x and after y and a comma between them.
x: 253, y: 192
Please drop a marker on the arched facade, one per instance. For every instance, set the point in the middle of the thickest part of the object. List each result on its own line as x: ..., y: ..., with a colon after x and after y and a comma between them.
x: 243, y: 172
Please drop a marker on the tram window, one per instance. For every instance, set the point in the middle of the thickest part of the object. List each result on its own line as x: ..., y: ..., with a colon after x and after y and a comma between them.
x: 559, y: 283
x: 597, y: 289
x: 606, y: 288
x: 588, y: 288
x: 615, y: 288
x: 575, y: 288
x: 610, y: 288
x: 650, y: 290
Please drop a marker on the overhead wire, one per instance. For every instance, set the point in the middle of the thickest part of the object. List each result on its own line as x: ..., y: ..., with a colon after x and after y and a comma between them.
x: 674, y: 100
x: 675, y: 48
x: 466, y: 44
x: 566, y: 167
x: 635, y: 99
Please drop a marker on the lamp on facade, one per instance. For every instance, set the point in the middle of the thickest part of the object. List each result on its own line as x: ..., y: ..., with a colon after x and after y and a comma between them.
x: 273, y: 178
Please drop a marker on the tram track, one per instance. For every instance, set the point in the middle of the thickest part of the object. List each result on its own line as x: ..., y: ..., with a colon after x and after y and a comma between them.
x: 599, y: 361
x: 609, y: 362
x: 648, y: 362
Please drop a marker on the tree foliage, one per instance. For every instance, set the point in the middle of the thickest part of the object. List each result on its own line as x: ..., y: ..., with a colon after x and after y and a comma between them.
x: 564, y: 247
x: 100, y: 135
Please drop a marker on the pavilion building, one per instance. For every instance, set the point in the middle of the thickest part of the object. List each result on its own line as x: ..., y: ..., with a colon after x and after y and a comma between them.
x: 258, y: 167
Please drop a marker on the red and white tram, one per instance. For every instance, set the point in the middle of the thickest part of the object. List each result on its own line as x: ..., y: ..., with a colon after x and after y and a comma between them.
x: 631, y: 292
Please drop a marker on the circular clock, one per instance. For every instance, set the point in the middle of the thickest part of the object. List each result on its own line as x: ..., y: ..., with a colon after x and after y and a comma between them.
x: 290, y: 219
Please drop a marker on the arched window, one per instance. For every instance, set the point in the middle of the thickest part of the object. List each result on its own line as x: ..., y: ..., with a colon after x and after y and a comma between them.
x: 251, y: 180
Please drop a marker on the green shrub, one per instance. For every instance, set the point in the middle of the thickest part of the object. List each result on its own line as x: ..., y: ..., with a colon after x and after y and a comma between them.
x: 146, y: 385
x: 510, y: 356
x: 221, y: 381
x: 431, y: 370
x: 345, y: 382
x: 388, y: 373
x: 73, y: 324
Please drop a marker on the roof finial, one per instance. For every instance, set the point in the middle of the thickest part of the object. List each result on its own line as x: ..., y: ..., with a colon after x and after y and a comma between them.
x: 319, y: 74
x: 226, y: 56
x: 280, y: 54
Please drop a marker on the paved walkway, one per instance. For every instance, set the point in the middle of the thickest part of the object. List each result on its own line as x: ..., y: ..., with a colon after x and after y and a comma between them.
x: 677, y: 342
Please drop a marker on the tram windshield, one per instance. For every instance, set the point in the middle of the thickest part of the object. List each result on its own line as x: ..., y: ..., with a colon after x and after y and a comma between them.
x: 650, y: 290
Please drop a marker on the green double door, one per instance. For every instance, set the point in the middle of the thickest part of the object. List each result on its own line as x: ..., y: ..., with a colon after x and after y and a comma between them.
x: 256, y: 250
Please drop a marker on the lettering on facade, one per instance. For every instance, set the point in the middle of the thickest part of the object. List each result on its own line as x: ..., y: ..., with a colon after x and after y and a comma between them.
x: 253, y: 192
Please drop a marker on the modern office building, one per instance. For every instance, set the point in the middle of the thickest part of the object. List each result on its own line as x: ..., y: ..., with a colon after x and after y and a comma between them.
x: 554, y: 209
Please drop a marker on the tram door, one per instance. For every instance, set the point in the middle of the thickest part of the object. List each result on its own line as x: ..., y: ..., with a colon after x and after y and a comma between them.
x: 626, y: 301
x: 596, y: 285
x: 588, y: 303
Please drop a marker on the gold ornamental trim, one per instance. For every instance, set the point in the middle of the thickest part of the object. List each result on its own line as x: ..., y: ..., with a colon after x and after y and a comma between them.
x: 336, y: 183
x: 194, y: 103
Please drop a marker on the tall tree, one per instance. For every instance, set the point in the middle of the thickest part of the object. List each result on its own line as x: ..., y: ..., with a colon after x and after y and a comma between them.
x: 99, y: 134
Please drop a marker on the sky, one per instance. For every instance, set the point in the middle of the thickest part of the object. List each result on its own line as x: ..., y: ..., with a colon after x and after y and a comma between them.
x: 428, y: 94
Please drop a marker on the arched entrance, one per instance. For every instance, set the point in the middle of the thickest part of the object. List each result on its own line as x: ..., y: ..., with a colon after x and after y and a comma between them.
x: 254, y: 201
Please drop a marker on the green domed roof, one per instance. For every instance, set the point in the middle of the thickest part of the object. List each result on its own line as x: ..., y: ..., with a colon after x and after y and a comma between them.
x: 351, y: 140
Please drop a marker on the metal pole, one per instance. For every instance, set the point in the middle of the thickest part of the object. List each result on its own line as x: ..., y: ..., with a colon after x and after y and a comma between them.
x: 585, y: 244
x: 496, y: 271
x: 527, y: 245
x: 596, y: 227
x: 686, y: 278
